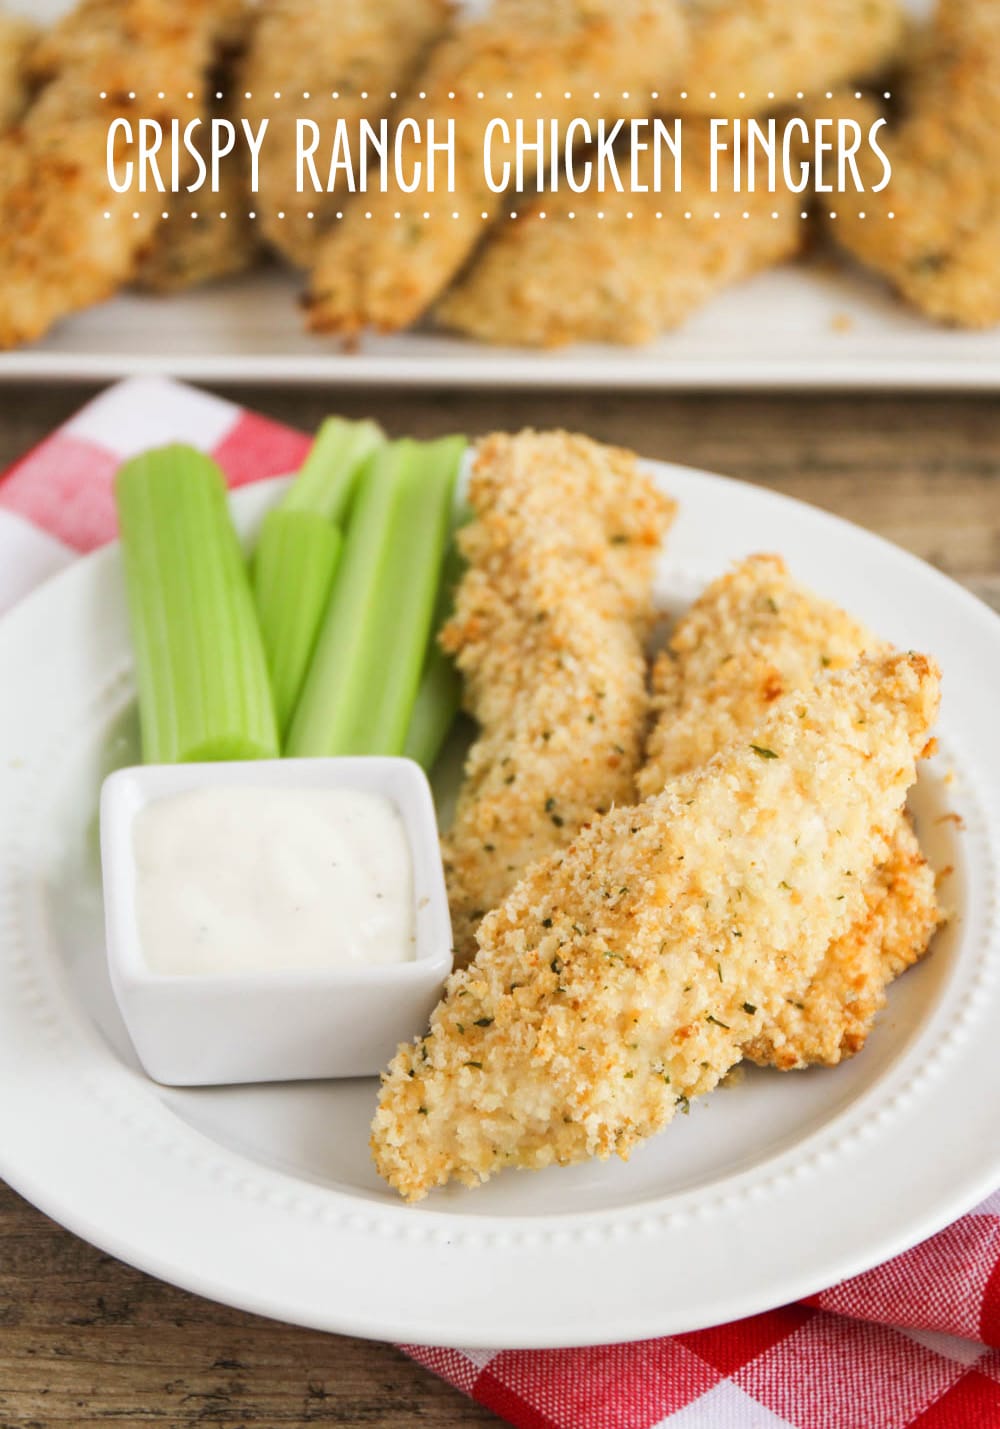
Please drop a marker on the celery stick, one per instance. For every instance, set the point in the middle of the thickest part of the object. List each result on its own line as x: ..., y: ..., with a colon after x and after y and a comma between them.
x: 298, y: 550
x: 439, y: 694
x: 200, y: 667
x: 293, y: 569
x: 439, y: 699
x: 362, y: 684
x: 330, y: 472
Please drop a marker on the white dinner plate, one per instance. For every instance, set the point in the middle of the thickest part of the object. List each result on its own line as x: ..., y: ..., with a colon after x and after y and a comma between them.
x: 813, y: 324
x: 265, y: 1197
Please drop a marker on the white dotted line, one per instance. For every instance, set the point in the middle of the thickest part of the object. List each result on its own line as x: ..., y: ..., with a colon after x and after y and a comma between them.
x: 485, y: 216
x: 480, y: 94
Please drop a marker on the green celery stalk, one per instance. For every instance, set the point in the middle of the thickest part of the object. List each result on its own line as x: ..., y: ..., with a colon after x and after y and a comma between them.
x: 293, y: 569
x: 204, y: 692
x: 360, y: 691
x: 329, y: 475
x: 439, y: 694
x: 297, y: 553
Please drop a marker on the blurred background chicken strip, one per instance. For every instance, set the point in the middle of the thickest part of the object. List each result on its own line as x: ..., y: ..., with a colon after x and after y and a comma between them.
x: 522, y: 59
x: 17, y: 36
x: 748, y: 55
x: 623, y: 976
x: 560, y: 274
x: 220, y: 242
x: 302, y: 53
x: 752, y: 637
x: 548, y: 632
x: 58, y: 252
x: 934, y: 231
x: 209, y: 235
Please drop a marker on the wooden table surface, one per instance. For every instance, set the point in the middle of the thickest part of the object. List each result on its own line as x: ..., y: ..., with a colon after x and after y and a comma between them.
x: 86, y: 1340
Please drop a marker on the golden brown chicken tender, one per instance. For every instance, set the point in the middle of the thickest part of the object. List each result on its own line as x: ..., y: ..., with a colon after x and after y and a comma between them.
x: 17, y: 38
x: 835, y: 1014
x: 548, y: 632
x: 186, y: 252
x: 561, y: 274
x: 58, y: 252
x: 623, y: 976
x: 363, y: 52
x: 223, y: 240
x: 522, y: 59
x: 748, y: 55
x: 752, y: 637
x: 934, y: 231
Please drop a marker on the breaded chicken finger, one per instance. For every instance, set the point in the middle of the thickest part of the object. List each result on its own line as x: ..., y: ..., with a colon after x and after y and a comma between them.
x: 17, y: 36
x: 548, y: 632
x: 560, y: 274
x: 752, y: 637
x: 186, y: 252
x: 58, y: 251
x: 211, y: 236
x: 749, y: 55
x: 836, y: 1012
x: 522, y: 59
x: 934, y: 230
x: 304, y: 52
x: 623, y: 976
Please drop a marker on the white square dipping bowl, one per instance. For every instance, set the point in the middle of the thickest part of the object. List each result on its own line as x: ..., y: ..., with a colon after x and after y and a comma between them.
x: 283, y: 1025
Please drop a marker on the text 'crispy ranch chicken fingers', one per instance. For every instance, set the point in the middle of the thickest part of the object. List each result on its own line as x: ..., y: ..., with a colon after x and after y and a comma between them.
x: 58, y: 251
x: 561, y: 274
x: 748, y: 55
x: 548, y: 632
x: 752, y: 637
x: 386, y: 263
x: 934, y: 230
x: 302, y: 53
x: 624, y: 975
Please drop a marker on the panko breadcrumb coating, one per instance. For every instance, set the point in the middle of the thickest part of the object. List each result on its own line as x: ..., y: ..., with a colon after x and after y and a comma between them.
x: 362, y: 51
x: 835, y: 1014
x: 17, y: 37
x: 58, y: 252
x: 550, y: 618
x: 752, y: 637
x: 384, y: 272
x: 623, y: 976
x: 939, y: 248
x: 749, y: 55
x: 560, y: 274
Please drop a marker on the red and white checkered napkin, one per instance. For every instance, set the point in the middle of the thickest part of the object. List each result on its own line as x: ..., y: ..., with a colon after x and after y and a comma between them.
x: 905, y: 1344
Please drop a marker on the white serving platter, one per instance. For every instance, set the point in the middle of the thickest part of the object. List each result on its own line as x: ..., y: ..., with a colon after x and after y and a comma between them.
x: 265, y: 1197
x: 806, y: 326
x: 798, y: 327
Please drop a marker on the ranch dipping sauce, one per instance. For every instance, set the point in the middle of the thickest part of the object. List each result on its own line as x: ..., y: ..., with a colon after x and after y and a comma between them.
x: 239, y: 879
